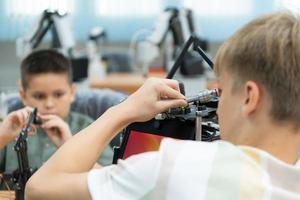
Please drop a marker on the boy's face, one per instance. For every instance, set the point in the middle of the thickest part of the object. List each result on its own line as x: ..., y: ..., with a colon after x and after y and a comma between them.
x: 50, y: 93
x: 229, y: 108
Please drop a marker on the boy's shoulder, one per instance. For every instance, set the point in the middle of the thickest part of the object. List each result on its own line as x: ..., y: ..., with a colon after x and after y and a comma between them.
x: 78, y: 121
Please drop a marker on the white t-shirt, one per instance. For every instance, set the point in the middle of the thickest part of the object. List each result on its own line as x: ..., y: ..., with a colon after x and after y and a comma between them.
x: 197, y: 170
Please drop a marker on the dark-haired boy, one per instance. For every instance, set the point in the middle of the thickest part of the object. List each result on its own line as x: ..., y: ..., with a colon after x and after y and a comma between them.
x: 46, y: 83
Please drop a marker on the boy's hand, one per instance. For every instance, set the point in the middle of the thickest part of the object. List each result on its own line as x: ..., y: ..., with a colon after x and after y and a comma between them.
x: 12, y: 125
x: 155, y: 96
x: 56, y: 129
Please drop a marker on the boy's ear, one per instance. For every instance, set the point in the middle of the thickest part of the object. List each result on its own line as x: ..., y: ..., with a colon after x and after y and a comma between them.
x: 19, y: 83
x: 73, y: 92
x: 252, y: 97
x: 22, y: 95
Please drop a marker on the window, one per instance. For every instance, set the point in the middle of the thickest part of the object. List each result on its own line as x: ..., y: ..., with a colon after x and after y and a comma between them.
x: 127, y: 7
x: 292, y: 5
x: 219, y: 7
x: 36, y: 7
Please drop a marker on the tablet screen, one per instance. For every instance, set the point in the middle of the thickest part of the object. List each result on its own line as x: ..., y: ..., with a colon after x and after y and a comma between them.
x: 139, y: 142
x: 146, y: 136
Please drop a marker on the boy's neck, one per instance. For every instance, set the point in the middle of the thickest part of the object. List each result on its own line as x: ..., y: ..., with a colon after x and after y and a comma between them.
x: 283, y: 142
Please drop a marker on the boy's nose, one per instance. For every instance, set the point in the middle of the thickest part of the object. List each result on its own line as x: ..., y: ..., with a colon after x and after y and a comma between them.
x: 49, y: 103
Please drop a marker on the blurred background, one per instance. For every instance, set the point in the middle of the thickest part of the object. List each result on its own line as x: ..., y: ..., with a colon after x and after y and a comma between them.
x: 116, y: 31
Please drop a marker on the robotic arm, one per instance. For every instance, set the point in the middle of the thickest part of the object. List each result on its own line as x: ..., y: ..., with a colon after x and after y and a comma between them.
x: 61, y: 33
x: 149, y: 49
x: 21, y: 175
x: 162, y: 27
x: 171, y: 31
x: 24, y: 171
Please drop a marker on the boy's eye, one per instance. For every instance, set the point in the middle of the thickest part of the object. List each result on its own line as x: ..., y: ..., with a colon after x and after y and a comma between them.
x: 58, y: 94
x: 39, y: 96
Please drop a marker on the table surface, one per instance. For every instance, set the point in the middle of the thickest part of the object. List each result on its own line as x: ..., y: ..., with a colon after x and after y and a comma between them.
x: 125, y: 82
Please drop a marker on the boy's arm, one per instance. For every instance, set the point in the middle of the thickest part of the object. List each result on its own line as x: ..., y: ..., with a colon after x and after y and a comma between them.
x: 65, y: 173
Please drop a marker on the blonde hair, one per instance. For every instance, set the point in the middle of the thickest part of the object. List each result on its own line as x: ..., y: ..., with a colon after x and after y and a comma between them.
x: 267, y: 50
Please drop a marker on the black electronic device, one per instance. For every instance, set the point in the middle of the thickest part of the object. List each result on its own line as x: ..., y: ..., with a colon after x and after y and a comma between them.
x: 197, y: 121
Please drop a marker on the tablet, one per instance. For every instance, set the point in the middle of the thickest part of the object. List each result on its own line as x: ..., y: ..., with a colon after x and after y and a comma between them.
x: 146, y: 136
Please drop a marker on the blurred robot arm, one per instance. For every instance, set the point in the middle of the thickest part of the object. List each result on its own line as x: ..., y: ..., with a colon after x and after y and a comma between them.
x: 172, y: 29
x: 53, y: 21
x: 149, y: 49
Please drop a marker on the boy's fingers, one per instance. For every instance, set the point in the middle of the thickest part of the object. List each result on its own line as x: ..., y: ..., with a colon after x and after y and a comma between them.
x: 18, y: 118
x: 48, y: 117
x: 166, y: 104
x: 171, y: 93
x: 172, y: 83
x: 28, y: 109
x: 32, y: 131
x: 55, y: 123
x: 22, y: 115
x: 49, y: 124
x: 26, y: 112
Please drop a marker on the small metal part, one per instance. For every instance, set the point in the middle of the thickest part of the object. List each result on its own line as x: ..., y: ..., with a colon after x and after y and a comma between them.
x: 204, y: 96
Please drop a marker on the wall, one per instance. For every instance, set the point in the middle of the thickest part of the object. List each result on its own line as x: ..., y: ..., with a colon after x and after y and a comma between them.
x: 212, y: 27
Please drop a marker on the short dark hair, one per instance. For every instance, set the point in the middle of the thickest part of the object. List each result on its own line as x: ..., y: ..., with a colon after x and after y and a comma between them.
x: 44, y: 61
x: 267, y: 50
